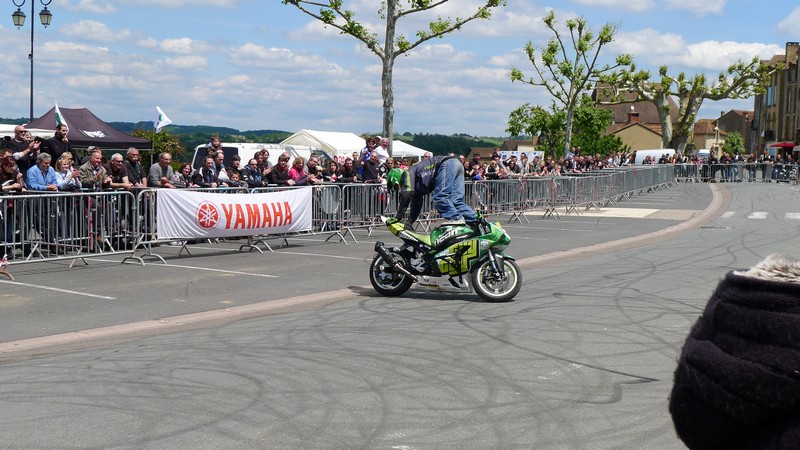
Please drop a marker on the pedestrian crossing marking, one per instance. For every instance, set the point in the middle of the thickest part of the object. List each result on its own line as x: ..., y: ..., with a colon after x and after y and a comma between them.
x: 758, y: 215
x: 727, y: 214
x: 795, y: 216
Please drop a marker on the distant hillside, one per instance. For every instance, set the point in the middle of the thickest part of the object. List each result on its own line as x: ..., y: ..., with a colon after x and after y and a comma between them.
x: 19, y: 121
x: 194, y: 135
x: 191, y: 136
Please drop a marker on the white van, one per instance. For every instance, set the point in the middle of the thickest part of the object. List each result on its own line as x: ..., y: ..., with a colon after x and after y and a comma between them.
x: 654, y: 154
x: 703, y: 153
x: 247, y: 150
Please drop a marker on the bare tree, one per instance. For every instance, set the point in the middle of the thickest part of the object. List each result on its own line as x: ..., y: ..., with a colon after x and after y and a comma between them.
x: 568, y: 69
x: 333, y: 13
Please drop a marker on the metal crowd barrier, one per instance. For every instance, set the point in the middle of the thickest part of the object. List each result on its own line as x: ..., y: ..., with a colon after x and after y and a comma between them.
x: 57, y: 226
x: 745, y: 172
x: 74, y: 226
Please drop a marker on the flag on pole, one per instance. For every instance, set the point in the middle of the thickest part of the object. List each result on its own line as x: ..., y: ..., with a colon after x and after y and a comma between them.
x: 59, y: 118
x: 161, y: 121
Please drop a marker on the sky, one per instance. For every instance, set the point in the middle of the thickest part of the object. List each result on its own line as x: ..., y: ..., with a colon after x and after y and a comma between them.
x: 254, y: 65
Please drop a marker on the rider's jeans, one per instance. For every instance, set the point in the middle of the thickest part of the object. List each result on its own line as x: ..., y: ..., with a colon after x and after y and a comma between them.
x: 448, y: 193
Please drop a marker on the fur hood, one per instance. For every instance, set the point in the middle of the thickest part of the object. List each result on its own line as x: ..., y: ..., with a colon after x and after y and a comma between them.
x: 775, y: 267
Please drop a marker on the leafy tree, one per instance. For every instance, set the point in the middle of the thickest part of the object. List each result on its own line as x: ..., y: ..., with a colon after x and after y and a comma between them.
x: 162, y: 142
x: 589, y: 127
x: 333, y: 13
x: 568, y: 69
x: 734, y: 142
x: 739, y: 81
x: 14, y: 121
x: 535, y: 120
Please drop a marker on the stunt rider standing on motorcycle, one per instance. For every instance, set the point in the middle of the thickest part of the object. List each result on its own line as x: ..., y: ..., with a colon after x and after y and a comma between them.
x: 443, y: 178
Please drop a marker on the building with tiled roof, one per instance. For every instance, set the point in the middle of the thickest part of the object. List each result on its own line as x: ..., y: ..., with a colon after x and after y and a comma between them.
x: 636, y: 123
x: 775, y: 113
x: 707, y: 134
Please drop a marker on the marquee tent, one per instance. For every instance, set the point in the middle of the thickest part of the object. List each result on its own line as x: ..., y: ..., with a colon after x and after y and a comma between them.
x: 86, y: 129
x: 335, y: 143
x: 8, y: 130
x: 342, y: 145
x: 402, y: 149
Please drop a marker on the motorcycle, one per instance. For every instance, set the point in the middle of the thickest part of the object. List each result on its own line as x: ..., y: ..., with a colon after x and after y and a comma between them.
x: 453, y: 258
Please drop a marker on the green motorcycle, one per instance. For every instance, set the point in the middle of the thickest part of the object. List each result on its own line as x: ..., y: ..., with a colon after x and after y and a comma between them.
x: 453, y: 258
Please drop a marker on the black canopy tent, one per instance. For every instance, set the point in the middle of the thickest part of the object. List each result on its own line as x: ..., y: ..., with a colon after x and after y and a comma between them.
x: 86, y: 129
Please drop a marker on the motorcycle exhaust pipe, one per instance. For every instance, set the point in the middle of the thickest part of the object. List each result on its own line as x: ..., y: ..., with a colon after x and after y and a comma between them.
x: 387, y: 258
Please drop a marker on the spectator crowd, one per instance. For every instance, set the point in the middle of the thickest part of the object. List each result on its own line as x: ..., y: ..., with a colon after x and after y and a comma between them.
x: 51, y: 165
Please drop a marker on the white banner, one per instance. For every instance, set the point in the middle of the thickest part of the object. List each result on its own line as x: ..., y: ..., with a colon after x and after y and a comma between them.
x: 183, y: 214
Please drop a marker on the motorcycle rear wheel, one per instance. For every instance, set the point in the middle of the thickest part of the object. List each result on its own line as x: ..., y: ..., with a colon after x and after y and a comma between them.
x: 493, y: 287
x: 386, y: 281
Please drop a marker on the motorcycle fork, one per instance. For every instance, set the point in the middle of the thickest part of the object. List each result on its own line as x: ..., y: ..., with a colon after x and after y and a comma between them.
x: 496, y: 263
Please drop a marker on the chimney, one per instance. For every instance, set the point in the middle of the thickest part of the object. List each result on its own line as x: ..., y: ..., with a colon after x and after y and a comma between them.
x: 633, y: 117
x: 791, y: 50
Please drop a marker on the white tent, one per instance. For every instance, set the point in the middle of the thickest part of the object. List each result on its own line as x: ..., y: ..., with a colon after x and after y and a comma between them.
x: 341, y: 145
x: 337, y: 144
x: 8, y: 130
x: 402, y: 149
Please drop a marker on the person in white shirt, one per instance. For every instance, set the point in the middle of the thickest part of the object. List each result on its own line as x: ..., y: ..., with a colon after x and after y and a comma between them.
x: 382, y: 149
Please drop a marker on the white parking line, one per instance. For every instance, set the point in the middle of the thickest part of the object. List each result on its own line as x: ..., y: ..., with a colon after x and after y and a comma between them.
x: 208, y: 269
x: 63, y: 291
x: 318, y: 254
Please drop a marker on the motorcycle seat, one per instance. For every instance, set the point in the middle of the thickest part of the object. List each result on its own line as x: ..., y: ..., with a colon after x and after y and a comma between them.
x: 424, y: 238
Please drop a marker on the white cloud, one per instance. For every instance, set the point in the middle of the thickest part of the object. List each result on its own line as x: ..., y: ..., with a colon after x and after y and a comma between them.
x: 181, y: 3
x: 314, y: 30
x: 699, y: 9
x: 653, y: 48
x: 252, y: 56
x: 183, y: 46
x: 94, y: 31
x: 630, y: 5
x: 648, y: 44
x: 147, y: 42
x: 104, y: 82
x: 437, y: 54
x: 192, y: 62
x: 90, y: 6
x: 788, y: 26
x: 715, y: 55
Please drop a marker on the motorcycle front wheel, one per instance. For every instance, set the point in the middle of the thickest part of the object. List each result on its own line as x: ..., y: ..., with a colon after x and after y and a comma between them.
x: 385, y: 279
x: 497, y: 287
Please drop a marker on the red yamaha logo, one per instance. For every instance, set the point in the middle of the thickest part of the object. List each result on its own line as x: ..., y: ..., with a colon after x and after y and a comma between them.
x: 207, y: 215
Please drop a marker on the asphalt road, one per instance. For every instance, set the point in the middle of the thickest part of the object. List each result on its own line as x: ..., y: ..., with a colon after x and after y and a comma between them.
x: 292, y: 349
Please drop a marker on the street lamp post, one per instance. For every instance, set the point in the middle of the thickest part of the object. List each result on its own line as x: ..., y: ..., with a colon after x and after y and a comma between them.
x: 45, y: 16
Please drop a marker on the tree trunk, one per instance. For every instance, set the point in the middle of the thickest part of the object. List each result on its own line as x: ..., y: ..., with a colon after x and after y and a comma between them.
x: 568, y: 130
x: 662, y: 106
x: 386, y: 73
x: 388, y: 103
x: 690, y: 105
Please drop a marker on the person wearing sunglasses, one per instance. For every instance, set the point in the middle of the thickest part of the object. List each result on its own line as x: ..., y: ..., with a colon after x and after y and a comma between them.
x: 24, y: 149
